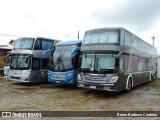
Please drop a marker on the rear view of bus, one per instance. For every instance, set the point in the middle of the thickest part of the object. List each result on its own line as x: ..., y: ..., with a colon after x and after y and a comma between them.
x: 64, y: 64
x: 27, y: 63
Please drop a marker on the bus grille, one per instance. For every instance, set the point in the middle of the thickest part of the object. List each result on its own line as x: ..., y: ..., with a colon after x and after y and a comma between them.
x: 15, y: 77
x: 95, y: 78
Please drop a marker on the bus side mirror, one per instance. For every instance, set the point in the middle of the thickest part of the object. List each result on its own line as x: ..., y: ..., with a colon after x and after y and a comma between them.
x: 27, y: 59
x: 75, y: 51
x: 45, y: 52
x: 119, y: 54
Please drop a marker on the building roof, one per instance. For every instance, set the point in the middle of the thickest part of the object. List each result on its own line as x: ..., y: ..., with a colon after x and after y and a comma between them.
x: 9, y: 46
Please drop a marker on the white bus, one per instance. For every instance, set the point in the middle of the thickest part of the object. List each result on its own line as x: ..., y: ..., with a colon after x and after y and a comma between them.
x: 27, y: 62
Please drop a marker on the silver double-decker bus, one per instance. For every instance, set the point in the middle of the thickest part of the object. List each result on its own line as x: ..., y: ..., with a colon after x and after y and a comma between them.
x: 26, y: 59
x: 114, y: 59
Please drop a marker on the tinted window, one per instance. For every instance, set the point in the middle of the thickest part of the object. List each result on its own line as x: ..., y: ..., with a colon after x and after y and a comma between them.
x: 24, y: 43
x: 37, y: 45
x: 99, y: 62
x: 43, y: 44
x: 128, y: 39
x: 36, y: 64
x: 46, y: 44
x: 20, y: 62
x: 44, y: 63
x: 101, y: 37
x: 62, y: 58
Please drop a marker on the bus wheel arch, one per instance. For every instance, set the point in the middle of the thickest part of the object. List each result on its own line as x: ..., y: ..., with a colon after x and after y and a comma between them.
x: 46, y: 78
x: 151, y: 76
x: 129, y: 83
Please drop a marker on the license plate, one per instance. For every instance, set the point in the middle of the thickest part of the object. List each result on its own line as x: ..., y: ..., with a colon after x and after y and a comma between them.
x: 58, y: 82
x: 93, y: 87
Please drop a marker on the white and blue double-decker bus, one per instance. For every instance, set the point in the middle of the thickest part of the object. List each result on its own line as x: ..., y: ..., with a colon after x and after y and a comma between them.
x: 64, y: 65
x: 26, y: 59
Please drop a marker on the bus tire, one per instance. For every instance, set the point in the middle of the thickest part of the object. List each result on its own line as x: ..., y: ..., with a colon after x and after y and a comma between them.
x: 151, y: 77
x: 129, y: 85
x: 154, y: 75
x: 46, y: 78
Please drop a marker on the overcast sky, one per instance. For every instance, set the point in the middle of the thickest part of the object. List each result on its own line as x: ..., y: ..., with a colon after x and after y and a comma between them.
x: 61, y: 19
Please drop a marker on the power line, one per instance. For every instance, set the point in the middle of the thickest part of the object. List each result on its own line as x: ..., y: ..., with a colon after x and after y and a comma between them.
x: 9, y: 35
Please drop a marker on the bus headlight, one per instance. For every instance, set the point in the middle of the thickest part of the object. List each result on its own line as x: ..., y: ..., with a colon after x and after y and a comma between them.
x: 27, y: 72
x: 79, y: 77
x: 113, y: 79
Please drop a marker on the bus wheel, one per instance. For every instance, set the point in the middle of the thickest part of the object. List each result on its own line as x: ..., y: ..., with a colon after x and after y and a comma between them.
x: 151, y: 77
x: 46, y: 78
x: 129, y: 85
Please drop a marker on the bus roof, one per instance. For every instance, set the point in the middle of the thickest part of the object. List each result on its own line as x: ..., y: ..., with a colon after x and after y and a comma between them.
x: 71, y: 42
x: 39, y: 38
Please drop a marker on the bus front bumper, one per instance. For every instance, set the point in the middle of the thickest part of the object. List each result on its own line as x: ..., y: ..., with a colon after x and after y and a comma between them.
x: 66, y: 80
x: 98, y: 86
x: 19, y: 79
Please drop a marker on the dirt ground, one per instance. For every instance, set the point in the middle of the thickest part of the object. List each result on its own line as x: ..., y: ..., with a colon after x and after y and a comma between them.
x: 53, y: 97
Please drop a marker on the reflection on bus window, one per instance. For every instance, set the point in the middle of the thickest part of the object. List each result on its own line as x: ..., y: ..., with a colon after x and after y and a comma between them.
x: 105, y: 37
x: 24, y: 43
x: 20, y: 62
x: 36, y: 64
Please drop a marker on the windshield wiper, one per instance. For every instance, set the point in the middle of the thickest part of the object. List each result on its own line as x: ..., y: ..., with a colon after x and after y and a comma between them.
x: 98, y: 68
x: 59, y: 62
x: 90, y: 65
x: 56, y: 62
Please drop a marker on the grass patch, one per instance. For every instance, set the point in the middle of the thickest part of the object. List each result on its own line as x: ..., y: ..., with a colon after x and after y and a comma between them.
x: 157, y: 79
x: 156, y: 83
x: 1, y: 77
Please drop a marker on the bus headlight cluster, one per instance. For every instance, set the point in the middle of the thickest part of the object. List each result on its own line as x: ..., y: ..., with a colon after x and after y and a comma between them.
x: 113, y: 79
x: 27, y: 72
x: 70, y: 74
x: 49, y: 74
x: 79, y: 77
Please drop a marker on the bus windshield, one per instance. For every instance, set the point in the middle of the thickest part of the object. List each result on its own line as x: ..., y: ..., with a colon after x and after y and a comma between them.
x: 21, y: 62
x: 98, y: 62
x: 101, y: 37
x: 24, y: 43
x: 62, y: 58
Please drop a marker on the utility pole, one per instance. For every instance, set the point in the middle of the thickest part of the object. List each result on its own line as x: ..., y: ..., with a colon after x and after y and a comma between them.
x: 78, y: 35
x: 153, y: 38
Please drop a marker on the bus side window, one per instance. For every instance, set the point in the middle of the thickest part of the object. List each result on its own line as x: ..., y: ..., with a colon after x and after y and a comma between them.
x: 44, y: 63
x: 121, y: 64
x: 36, y: 64
x: 46, y: 45
x: 37, y: 45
